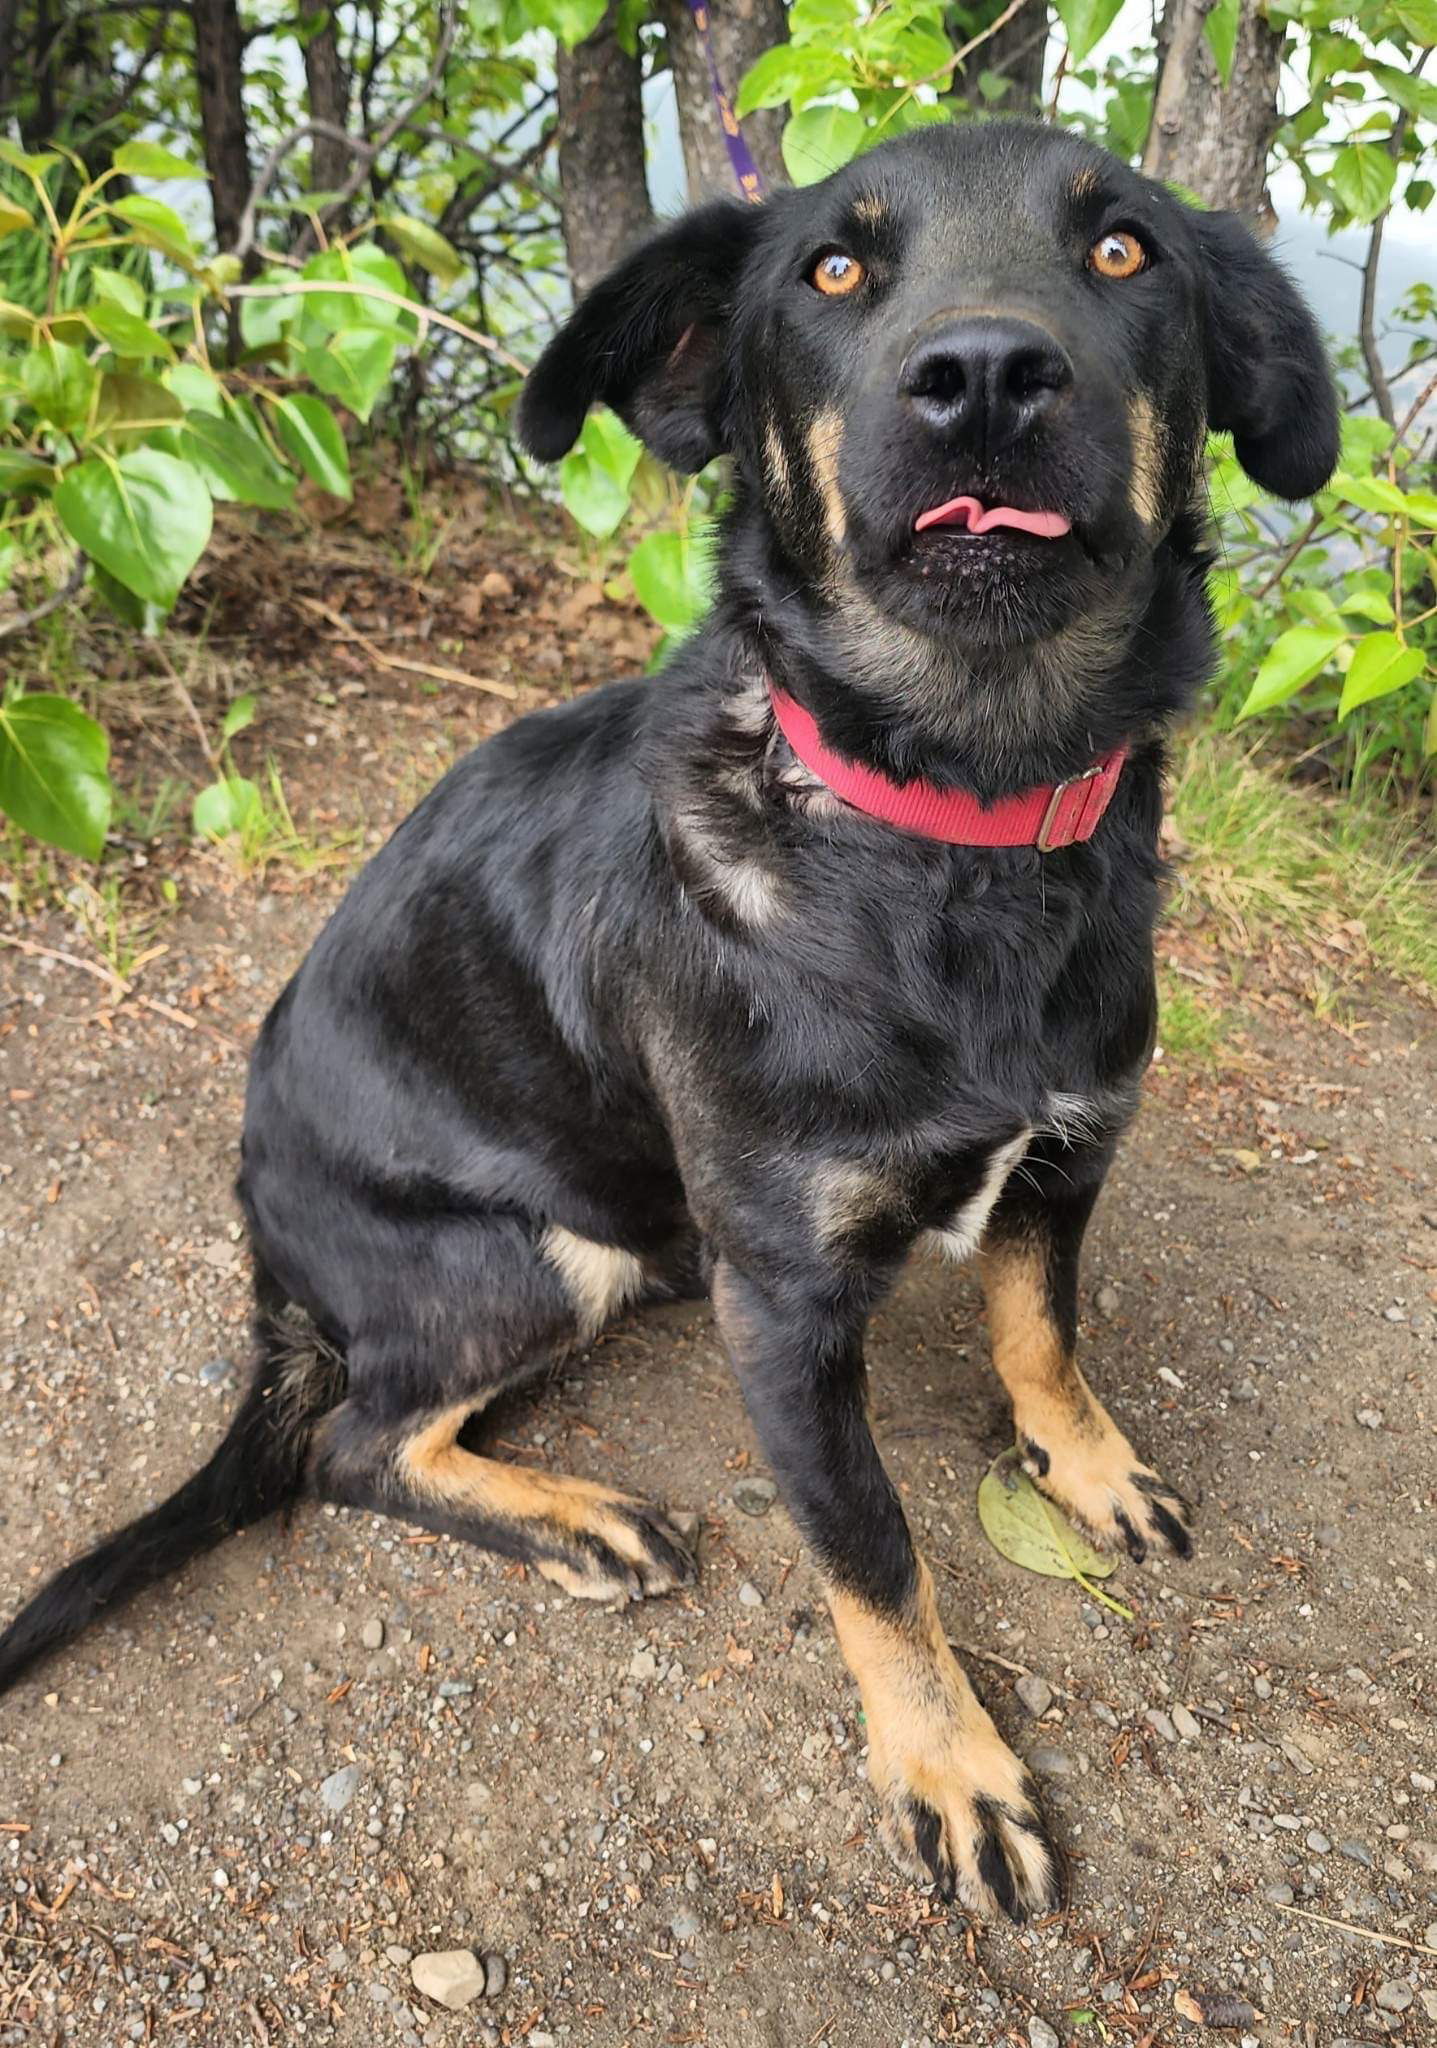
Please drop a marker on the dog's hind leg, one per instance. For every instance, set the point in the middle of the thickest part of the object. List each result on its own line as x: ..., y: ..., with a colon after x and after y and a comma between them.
x: 1070, y: 1445
x: 595, y: 1542
x: 394, y: 1445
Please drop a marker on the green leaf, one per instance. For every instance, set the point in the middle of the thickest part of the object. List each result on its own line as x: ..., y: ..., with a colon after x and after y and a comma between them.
x: 130, y: 403
x: 156, y: 225
x: 595, y: 476
x: 263, y: 321
x: 1029, y: 1531
x: 1294, y: 658
x: 127, y: 335
x: 1419, y: 18
x: 1370, y: 494
x: 148, y: 160
x: 364, y: 262
x: 1422, y: 510
x: 234, y: 465
x: 1087, y: 22
x: 671, y: 574
x: 116, y: 288
x: 59, y: 382
x: 1363, y: 175
x: 354, y: 368
x: 1365, y: 437
x: 144, y: 517
x: 53, y: 773
x: 425, y: 246
x: 572, y: 21
x: 1369, y: 604
x: 239, y: 716
x: 138, y: 612
x: 1380, y: 664
x: 1220, y: 28
x: 310, y: 434
x: 13, y: 215
x: 20, y: 472
x: 32, y: 166
x: 820, y: 140
x: 196, y: 388
x: 226, y: 807
x: 782, y: 72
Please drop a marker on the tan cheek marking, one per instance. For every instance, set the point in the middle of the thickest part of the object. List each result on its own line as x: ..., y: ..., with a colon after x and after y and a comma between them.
x: 870, y: 210
x: 1084, y: 184
x: 599, y: 1278
x: 825, y: 438
x: 1145, y: 480
x: 779, y: 474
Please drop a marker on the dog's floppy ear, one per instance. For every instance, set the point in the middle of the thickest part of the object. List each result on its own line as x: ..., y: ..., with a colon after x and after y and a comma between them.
x: 1268, y: 377
x: 649, y: 340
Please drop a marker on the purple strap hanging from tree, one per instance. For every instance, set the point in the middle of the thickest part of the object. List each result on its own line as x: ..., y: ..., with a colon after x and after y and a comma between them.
x: 750, y: 178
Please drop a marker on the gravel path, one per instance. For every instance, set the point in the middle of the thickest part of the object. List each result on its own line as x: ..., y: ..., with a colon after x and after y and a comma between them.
x: 271, y: 1802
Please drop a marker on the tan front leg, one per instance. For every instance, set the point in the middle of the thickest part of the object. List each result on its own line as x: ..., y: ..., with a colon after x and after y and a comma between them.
x: 958, y: 1807
x: 1070, y: 1445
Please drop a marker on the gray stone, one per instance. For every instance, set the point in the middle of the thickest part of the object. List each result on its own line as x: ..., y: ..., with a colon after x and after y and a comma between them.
x: 1278, y: 1894
x: 216, y: 1371
x: 496, y: 1974
x: 372, y: 1634
x: 452, y: 1977
x: 643, y: 1666
x: 1035, y: 1693
x: 1161, y: 1723
x: 685, y: 1925
x: 1394, y: 1995
x: 1187, y: 1724
x: 1053, y: 1763
x: 1106, y: 1301
x: 1040, y: 2033
x: 1318, y: 1842
x: 339, y: 1788
x: 749, y: 1595
x: 754, y: 1495
x: 1357, y: 1852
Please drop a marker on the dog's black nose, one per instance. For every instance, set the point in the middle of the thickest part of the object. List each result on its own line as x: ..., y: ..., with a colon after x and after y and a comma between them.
x: 984, y: 378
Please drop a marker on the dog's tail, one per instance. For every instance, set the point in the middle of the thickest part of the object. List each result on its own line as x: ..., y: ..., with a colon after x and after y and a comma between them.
x: 258, y: 1468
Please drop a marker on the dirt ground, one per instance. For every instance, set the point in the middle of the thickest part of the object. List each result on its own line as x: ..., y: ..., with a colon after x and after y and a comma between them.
x: 232, y: 1815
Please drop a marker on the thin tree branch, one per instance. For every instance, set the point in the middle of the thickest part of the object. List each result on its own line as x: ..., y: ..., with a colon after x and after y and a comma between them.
x: 23, y: 621
x: 1367, y: 319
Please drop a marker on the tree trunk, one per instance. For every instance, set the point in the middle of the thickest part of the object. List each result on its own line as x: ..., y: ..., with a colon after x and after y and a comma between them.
x: 9, y: 11
x: 741, y: 30
x: 327, y: 82
x: 1214, y: 138
x: 604, y: 198
x: 219, y: 73
x: 1017, y: 53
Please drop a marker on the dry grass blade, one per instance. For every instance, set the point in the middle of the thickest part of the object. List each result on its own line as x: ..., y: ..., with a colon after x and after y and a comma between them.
x: 1420, y: 1948
x: 417, y: 668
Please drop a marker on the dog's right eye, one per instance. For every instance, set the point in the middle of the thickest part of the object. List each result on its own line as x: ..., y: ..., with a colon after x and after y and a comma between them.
x: 837, y: 274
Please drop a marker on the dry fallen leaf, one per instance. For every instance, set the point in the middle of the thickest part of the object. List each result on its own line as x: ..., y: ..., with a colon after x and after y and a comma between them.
x: 1214, y: 2008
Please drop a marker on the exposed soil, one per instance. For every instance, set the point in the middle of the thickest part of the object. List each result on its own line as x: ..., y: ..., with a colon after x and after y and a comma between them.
x: 658, y: 1817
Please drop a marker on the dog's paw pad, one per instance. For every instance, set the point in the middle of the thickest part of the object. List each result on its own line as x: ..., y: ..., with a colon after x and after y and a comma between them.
x: 994, y: 1856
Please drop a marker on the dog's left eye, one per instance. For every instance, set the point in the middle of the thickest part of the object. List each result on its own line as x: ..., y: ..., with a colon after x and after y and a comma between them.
x: 1119, y: 254
x: 837, y: 274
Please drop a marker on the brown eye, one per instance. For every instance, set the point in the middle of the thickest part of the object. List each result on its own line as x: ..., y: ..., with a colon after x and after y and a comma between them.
x: 1118, y: 255
x: 836, y: 275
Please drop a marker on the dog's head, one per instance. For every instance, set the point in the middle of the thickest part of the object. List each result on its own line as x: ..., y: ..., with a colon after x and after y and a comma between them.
x: 967, y: 379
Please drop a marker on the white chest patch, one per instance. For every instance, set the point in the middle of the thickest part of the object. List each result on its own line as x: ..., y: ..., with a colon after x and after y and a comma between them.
x: 961, y: 1235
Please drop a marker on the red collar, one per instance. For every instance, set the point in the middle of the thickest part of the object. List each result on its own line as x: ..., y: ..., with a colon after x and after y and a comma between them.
x: 1052, y: 815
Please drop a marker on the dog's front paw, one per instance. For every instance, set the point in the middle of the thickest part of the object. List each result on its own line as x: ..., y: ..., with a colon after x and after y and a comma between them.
x: 1087, y: 1467
x: 968, y: 1823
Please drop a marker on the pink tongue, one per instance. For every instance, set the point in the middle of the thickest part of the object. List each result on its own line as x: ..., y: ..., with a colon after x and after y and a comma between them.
x: 969, y: 512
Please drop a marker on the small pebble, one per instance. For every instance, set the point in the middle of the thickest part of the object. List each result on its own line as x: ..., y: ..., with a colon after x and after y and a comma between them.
x: 1040, y: 2034
x: 1053, y: 1763
x: 1187, y: 1724
x: 372, y: 1634
x: 452, y: 1977
x: 749, y: 1595
x: 496, y: 1974
x: 339, y: 1788
x: 1394, y: 1995
x: 1161, y: 1723
x: 1035, y: 1693
x: 753, y: 1495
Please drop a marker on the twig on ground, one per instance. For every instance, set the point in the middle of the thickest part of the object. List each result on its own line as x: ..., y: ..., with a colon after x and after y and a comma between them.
x: 1420, y: 1948
x: 124, y: 991
x: 417, y: 668
x: 22, y: 621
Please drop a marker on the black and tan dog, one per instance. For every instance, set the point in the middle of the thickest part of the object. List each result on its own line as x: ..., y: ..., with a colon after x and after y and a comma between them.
x: 719, y: 981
